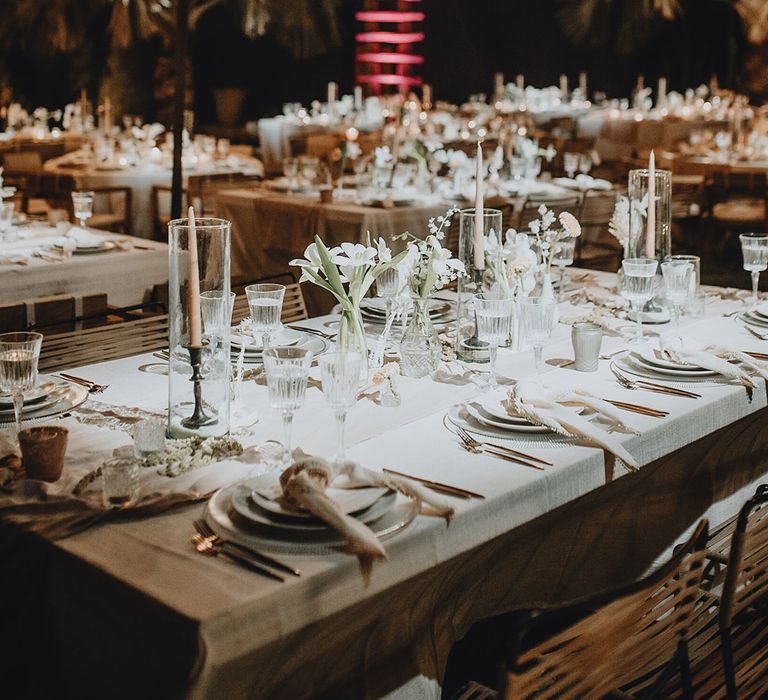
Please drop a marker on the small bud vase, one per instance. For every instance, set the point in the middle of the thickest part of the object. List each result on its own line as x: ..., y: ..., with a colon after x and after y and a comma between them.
x: 352, y: 337
x: 420, y: 346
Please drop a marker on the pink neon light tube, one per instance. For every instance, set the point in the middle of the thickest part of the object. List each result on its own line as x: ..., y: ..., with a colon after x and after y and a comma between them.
x: 389, y: 16
x: 386, y: 57
x: 390, y: 37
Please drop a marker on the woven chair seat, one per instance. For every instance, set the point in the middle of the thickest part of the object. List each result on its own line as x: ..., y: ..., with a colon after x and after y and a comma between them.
x: 739, y: 211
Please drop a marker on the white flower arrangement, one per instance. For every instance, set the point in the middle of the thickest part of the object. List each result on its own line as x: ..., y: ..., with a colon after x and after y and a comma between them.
x: 548, y: 238
x: 353, y: 264
x: 382, y: 155
x: 529, y: 149
x: 513, y: 265
x: 430, y: 266
x: 622, y: 220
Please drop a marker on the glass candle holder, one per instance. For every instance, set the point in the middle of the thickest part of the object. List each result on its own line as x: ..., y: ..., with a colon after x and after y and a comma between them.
x: 587, y: 339
x: 199, y: 369
x: 478, y: 279
x: 638, y: 191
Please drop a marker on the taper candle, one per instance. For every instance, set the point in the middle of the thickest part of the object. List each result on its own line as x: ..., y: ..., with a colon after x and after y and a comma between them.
x: 583, y: 83
x: 107, y: 115
x: 520, y: 80
x: 479, y: 228
x: 358, y: 98
x: 83, y: 103
x: 564, y: 84
x: 650, y: 233
x: 193, y: 284
x: 498, y: 86
x: 426, y: 97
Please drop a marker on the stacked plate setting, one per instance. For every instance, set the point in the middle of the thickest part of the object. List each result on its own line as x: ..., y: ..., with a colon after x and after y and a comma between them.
x: 374, y: 311
x: 285, y: 337
x: 757, y: 318
x: 49, y: 397
x: 650, y: 363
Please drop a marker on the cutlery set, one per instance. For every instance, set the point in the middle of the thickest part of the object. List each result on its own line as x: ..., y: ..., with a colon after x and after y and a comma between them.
x: 93, y: 387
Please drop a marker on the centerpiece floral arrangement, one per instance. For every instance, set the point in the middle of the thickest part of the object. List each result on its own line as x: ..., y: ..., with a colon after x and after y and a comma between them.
x: 626, y: 223
x: 347, y: 271
x: 548, y: 238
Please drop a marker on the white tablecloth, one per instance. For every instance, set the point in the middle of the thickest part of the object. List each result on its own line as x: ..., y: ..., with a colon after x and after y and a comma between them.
x: 220, y: 631
x: 125, y: 275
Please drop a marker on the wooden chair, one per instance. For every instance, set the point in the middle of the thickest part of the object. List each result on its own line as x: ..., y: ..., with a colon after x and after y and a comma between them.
x: 595, y: 213
x: 204, y: 188
x: 638, y: 632
x: 107, y: 342
x: 112, y: 209
x: 530, y: 209
x: 160, y: 203
x: 55, y: 313
x: 294, y: 307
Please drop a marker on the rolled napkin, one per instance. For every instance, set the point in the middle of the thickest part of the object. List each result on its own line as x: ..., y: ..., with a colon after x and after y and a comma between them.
x: 304, y: 485
x: 552, y: 408
x: 80, y: 238
x: 711, y: 356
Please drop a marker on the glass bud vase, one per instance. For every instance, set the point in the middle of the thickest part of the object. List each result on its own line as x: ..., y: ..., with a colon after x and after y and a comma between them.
x: 199, y: 374
x: 352, y: 337
x: 420, y: 346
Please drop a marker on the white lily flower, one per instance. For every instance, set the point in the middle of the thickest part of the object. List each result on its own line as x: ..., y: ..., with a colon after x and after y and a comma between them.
x: 385, y: 254
x: 354, y: 255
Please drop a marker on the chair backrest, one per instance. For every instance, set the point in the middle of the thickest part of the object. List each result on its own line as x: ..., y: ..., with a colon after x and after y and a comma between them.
x: 639, y: 631
x: 321, y: 145
x: 57, y: 313
x: 294, y: 307
x: 204, y: 188
x: 24, y: 161
x: 746, y: 578
x: 597, y: 208
x: 161, y: 209
x: 530, y: 209
x: 110, y: 342
x: 687, y: 195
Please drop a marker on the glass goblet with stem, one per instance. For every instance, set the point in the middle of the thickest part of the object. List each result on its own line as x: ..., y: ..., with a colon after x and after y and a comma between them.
x: 340, y: 373
x: 585, y: 163
x: 493, y: 319
x: 677, y: 286
x: 639, y: 278
x: 287, y: 370
x: 387, y: 287
x: 570, y: 164
x: 754, y: 249
x: 291, y: 172
x: 216, y: 310
x: 266, y: 303
x: 82, y: 203
x: 537, y: 316
x: 6, y: 219
x: 19, y: 353
x: 562, y: 256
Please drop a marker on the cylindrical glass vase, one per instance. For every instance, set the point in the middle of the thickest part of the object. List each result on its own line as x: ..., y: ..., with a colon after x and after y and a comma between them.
x: 469, y: 347
x: 638, y: 216
x: 199, y: 372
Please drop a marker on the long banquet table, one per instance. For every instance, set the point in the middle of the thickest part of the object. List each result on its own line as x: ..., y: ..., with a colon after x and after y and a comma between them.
x: 131, y: 609
x: 126, y: 274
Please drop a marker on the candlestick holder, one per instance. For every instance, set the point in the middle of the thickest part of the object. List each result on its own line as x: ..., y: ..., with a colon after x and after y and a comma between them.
x: 199, y: 373
x: 469, y: 347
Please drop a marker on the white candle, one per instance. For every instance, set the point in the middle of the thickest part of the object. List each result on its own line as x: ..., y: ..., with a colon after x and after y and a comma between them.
x: 498, y: 86
x: 650, y: 233
x: 332, y: 87
x: 661, y: 93
x: 520, y: 80
x: 479, y: 247
x: 358, y: 98
x: 193, y: 284
x: 83, y: 103
x: 583, y: 83
x: 107, y: 115
x: 564, y: 84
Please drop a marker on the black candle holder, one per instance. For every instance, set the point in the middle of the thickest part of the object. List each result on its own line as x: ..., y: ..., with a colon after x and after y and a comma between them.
x: 199, y: 417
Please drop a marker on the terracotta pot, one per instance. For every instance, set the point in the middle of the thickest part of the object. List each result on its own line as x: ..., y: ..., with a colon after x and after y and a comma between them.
x: 42, y: 451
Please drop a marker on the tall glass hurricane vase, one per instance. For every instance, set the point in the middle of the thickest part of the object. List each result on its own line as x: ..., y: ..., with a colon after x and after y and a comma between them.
x: 478, y: 279
x: 198, y: 379
x: 638, y: 192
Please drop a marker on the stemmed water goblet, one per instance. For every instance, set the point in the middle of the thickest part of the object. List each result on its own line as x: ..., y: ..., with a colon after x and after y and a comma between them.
x: 677, y: 286
x: 537, y: 316
x: 266, y: 303
x: 585, y: 163
x: 562, y: 256
x: 754, y: 249
x: 19, y: 353
x: 387, y: 287
x: 570, y: 164
x: 287, y: 370
x: 6, y: 219
x: 340, y: 373
x: 291, y: 172
x: 639, y: 279
x: 493, y: 320
x: 82, y: 203
x: 216, y: 311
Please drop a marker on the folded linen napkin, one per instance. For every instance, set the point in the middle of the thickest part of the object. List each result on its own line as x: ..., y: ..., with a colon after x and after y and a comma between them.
x: 80, y: 238
x: 713, y: 357
x: 304, y: 485
x: 552, y: 407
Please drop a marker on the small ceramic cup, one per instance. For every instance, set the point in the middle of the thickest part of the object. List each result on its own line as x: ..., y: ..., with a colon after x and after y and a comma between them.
x: 586, y: 339
x: 42, y: 451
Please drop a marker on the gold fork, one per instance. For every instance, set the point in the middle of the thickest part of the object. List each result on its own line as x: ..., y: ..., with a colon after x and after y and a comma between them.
x: 471, y: 445
x: 92, y: 386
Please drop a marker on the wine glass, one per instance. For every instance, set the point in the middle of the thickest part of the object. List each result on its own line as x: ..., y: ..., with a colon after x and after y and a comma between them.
x: 291, y: 171
x: 217, y: 315
x: 83, y: 206
x: 309, y: 167
x: 677, y: 286
x: 387, y: 287
x: 585, y: 163
x: 639, y: 277
x: 19, y: 353
x: 754, y: 249
x: 570, y: 163
x: 287, y: 370
x: 266, y: 303
x: 493, y: 319
x: 6, y: 219
x: 340, y: 372
x: 562, y: 256
x: 537, y: 315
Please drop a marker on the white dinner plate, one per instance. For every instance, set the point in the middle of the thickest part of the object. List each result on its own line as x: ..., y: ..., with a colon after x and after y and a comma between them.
x: 461, y: 416
x: 754, y: 319
x: 762, y: 311
x: 102, y: 247
x: 625, y: 363
x: 652, y: 358
x: 691, y: 374
x: 264, y: 486
x: 45, y: 385
x: 283, y: 337
x: 68, y: 396
x: 220, y: 517
x: 494, y: 406
x: 314, y: 343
